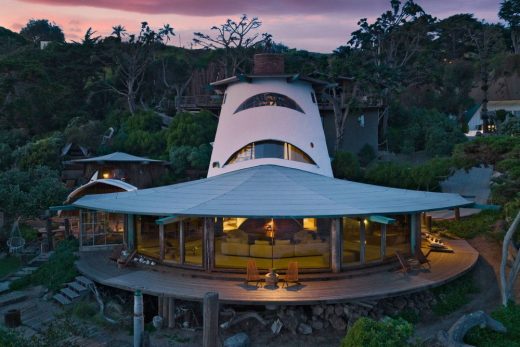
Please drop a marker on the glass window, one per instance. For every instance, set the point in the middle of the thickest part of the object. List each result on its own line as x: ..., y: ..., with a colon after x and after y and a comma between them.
x: 269, y: 99
x: 270, y: 149
x: 193, y: 241
x: 147, y: 232
x: 373, y: 232
x: 172, y: 249
x: 101, y: 228
x: 313, y: 97
x: 272, y: 243
x: 351, y: 253
x: 398, y: 235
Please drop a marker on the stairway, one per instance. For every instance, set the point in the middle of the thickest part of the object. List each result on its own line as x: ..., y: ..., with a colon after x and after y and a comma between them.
x: 73, y: 291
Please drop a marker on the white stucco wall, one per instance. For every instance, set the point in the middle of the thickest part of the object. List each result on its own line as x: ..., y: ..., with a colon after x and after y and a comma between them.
x: 270, y: 123
x: 512, y: 106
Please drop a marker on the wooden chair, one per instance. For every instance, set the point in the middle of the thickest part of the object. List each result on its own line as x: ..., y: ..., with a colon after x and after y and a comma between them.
x: 116, y: 252
x: 252, y: 273
x: 292, y: 274
x: 405, y: 266
x: 423, y: 259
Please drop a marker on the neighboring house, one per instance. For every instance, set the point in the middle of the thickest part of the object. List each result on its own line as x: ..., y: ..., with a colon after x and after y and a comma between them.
x: 474, y: 115
x: 139, y: 171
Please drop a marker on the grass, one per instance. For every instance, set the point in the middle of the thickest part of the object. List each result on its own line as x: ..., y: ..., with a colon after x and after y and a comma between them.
x: 54, y: 273
x: 409, y: 315
x: 9, y: 265
x: 28, y: 233
x: 510, y: 317
x: 472, y: 226
x: 454, y: 295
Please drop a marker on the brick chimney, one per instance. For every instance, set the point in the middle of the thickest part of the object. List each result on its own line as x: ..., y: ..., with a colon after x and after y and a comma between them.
x: 268, y: 64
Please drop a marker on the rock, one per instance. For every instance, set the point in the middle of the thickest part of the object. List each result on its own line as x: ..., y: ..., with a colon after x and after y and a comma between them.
x: 290, y: 322
x: 237, y: 340
x: 157, y: 322
x: 317, y: 310
x: 329, y: 311
x: 317, y: 324
x: 304, y: 329
x: 338, y: 323
x: 400, y: 303
x: 277, y: 326
x: 326, y: 324
x: 338, y: 310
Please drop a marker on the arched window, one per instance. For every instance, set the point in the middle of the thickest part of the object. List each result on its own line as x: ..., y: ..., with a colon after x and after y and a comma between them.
x: 270, y: 149
x: 269, y: 99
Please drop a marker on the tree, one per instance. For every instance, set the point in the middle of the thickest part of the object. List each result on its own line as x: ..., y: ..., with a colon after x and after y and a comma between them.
x: 132, y: 61
x: 28, y: 193
x: 236, y: 39
x: 507, y: 281
x: 187, y: 129
x: 510, y: 13
x: 177, y: 73
x: 118, y: 31
x: 37, y: 30
x: 390, y: 48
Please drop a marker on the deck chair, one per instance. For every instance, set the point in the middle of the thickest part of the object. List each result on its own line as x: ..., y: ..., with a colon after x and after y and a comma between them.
x: 252, y: 273
x: 405, y: 266
x: 423, y: 259
x: 116, y: 252
x: 292, y: 274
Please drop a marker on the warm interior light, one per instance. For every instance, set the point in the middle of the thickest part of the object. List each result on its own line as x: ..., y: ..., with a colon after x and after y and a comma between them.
x: 106, y: 175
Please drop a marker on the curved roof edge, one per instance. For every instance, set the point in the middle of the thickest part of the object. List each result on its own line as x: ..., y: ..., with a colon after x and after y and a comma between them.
x: 271, y: 191
x: 108, y: 181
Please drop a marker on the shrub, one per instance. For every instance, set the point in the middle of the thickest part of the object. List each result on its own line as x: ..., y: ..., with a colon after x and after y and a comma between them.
x: 366, y: 155
x: 510, y: 317
x: 54, y: 273
x: 346, y: 165
x: 469, y: 227
x: 191, y: 129
x: 370, y: 333
x: 454, y: 295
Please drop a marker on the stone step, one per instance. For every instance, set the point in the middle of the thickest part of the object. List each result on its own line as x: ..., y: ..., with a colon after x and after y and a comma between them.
x: 84, y: 281
x: 77, y: 287
x: 70, y: 294
x: 4, y: 286
x: 61, y: 299
x: 12, y: 298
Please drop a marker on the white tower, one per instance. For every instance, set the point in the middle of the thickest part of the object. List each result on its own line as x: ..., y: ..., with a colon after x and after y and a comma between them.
x: 269, y: 118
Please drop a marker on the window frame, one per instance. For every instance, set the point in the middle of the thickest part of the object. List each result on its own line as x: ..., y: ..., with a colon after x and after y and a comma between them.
x: 250, y: 102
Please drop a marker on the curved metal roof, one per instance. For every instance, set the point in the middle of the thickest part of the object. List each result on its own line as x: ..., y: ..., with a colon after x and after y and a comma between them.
x: 107, y: 181
x: 271, y: 191
x: 117, y: 157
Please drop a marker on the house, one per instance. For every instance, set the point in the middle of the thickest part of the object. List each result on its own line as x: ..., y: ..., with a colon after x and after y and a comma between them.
x: 270, y: 197
x: 495, y: 108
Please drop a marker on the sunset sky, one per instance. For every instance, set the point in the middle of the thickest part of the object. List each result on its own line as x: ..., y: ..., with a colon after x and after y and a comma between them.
x: 315, y: 25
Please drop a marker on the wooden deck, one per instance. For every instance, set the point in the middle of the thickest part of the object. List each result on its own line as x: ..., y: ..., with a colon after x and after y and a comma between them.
x: 186, y: 285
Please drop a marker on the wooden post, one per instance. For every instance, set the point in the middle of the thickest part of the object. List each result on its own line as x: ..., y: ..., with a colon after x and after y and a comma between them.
x: 48, y: 228
x: 81, y: 228
x: 161, y: 242
x: 362, y: 240
x: 131, y: 232
x: 182, y: 249
x: 209, y: 249
x: 171, y: 313
x: 335, y: 243
x: 415, y: 233
x: 457, y: 213
x: 210, y: 320
x: 165, y: 312
x: 159, y: 305
x: 429, y: 223
x: 66, y: 224
x: 383, y: 240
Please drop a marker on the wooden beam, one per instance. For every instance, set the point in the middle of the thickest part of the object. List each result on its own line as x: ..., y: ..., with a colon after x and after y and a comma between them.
x: 335, y: 242
x: 457, y: 213
x: 362, y: 240
x: 383, y: 241
x: 81, y: 228
x: 415, y: 230
x: 171, y: 313
x: 210, y: 320
x: 485, y: 207
x: 381, y: 219
x: 161, y: 242
x: 209, y: 244
x: 131, y: 232
x: 167, y: 220
x: 182, y: 249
